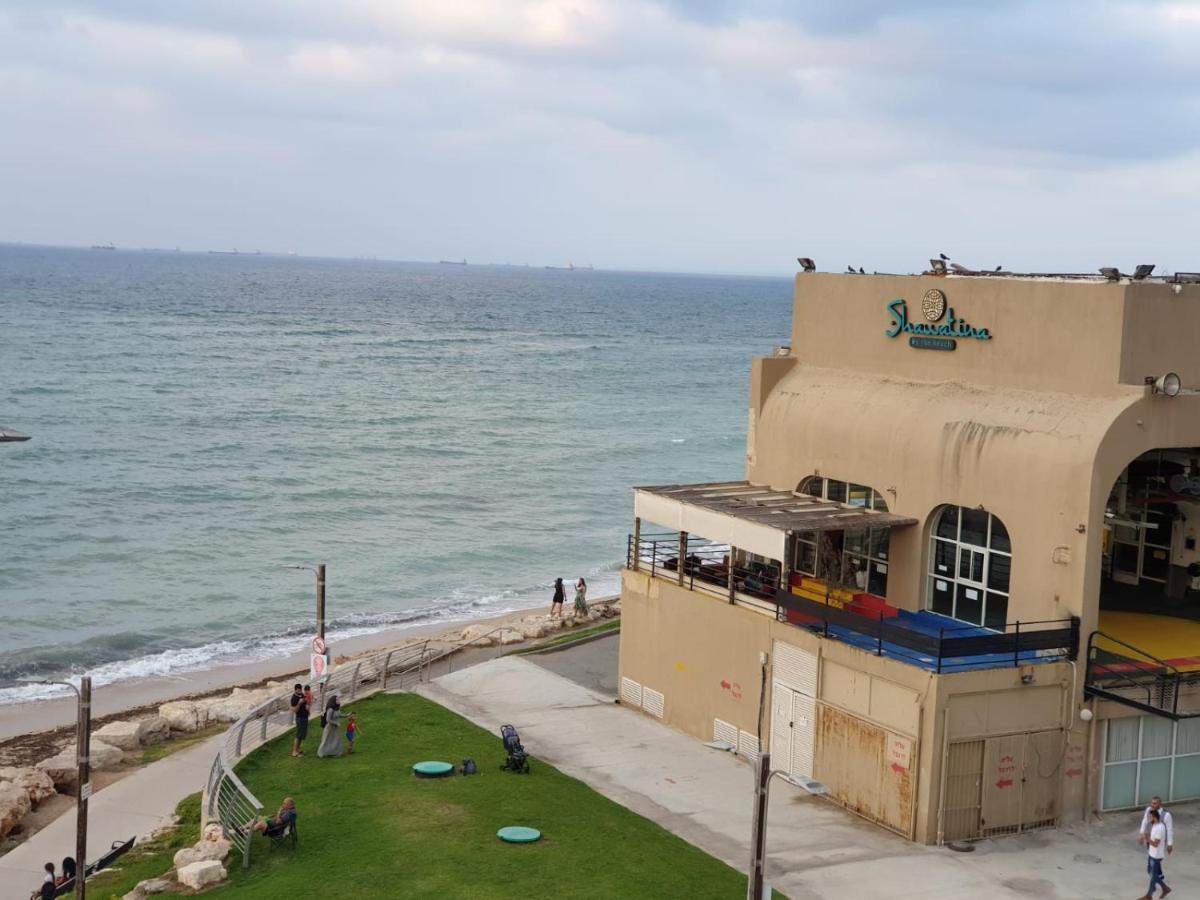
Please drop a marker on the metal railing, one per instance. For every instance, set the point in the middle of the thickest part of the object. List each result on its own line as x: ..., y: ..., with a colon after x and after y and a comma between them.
x: 706, y: 565
x: 950, y: 649
x: 228, y: 801
x: 1127, y: 674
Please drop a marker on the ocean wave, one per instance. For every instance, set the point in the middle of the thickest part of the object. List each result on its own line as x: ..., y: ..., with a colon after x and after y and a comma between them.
x: 460, y: 605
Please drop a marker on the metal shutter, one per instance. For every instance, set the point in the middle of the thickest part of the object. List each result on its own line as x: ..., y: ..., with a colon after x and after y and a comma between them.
x: 725, y: 731
x: 747, y: 746
x: 796, y: 668
x: 653, y: 702
x: 631, y: 692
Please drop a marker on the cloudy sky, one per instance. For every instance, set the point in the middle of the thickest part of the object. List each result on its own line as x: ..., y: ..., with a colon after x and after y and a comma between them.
x: 690, y: 135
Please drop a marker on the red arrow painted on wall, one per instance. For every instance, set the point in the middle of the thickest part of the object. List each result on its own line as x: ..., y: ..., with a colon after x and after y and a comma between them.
x: 1074, y: 773
x: 898, y: 769
x: 1004, y: 782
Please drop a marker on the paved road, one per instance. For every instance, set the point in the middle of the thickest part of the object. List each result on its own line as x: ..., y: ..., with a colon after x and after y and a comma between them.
x: 592, y: 665
x: 133, y: 806
x: 817, y: 850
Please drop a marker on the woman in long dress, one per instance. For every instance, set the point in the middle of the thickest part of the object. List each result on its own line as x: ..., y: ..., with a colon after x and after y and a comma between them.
x: 581, y: 607
x: 331, y: 734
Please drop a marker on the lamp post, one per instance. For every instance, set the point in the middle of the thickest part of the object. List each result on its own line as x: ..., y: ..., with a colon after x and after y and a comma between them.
x: 83, y: 789
x: 320, y: 573
x: 763, y: 773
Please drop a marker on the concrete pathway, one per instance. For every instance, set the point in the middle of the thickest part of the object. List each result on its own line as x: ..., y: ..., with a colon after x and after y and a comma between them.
x: 133, y: 806
x: 817, y: 850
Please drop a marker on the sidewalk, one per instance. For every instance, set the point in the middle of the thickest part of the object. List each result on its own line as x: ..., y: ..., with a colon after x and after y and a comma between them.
x: 816, y: 849
x: 135, y: 805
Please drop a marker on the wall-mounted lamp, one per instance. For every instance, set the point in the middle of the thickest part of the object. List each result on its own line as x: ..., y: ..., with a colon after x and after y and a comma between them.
x: 938, y: 266
x: 1169, y: 385
x: 806, y: 263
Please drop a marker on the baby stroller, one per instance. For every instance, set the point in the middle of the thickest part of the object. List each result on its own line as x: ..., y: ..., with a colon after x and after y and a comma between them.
x: 518, y: 759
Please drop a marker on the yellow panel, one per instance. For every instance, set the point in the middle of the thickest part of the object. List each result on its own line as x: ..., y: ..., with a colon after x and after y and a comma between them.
x: 1168, y: 638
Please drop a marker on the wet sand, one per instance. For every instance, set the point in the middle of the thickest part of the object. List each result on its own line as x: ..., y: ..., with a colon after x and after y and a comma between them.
x: 19, y: 719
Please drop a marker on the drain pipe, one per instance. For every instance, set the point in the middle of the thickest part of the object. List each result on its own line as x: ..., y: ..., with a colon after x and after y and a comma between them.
x: 941, y: 831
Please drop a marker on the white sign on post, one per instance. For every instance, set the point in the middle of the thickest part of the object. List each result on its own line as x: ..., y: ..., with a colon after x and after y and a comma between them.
x: 318, y: 645
x: 85, y: 791
x: 318, y: 669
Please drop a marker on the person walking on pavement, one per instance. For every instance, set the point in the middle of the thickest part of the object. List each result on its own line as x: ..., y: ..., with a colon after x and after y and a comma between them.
x: 1156, y: 849
x: 1164, y: 816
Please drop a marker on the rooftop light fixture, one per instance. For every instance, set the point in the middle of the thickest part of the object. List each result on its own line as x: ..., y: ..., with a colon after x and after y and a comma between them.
x: 1143, y: 271
x: 938, y: 266
x: 1112, y: 273
x: 806, y: 263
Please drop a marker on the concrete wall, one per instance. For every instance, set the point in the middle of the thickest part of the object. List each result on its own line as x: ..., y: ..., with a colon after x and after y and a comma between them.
x: 702, y: 653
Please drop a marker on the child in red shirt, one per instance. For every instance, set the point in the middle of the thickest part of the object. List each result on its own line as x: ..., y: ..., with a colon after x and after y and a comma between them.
x: 352, y: 731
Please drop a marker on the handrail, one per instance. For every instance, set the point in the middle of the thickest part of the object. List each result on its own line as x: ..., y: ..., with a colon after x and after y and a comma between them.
x: 227, y: 798
x: 1108, y: 637
x: 1165, y: 681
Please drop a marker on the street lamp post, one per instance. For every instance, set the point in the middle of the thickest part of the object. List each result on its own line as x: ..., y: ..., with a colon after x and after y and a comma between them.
x: 320, y: 573
x: 83, y: 789
x: 762, y: 783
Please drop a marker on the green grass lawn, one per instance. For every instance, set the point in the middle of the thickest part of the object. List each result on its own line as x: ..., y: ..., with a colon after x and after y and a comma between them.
x: 368, y: 828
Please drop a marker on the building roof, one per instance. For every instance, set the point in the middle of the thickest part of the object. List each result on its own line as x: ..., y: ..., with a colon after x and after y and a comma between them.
x: 754, y: 517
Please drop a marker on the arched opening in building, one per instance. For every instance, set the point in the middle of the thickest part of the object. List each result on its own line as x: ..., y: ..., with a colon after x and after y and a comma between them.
x: 1146, y: 652
x: 1151, y: 559
x: 856, y: 558
x: 970, y: 563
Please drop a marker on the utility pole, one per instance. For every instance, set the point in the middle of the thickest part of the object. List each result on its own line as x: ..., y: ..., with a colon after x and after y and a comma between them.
x: 83, y: 740
x: 321, y: 601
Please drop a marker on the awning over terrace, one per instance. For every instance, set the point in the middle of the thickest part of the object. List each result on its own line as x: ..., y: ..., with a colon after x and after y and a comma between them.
x: 752, y: 517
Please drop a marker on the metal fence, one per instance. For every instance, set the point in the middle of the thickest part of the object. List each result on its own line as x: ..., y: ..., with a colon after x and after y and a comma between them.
x: 228, y: 801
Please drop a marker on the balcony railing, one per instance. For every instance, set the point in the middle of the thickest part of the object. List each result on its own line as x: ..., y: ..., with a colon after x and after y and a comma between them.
x: 923, y: 639
x: 1125, y: 674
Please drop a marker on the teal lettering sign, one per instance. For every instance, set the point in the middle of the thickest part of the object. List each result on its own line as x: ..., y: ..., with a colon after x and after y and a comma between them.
x: 933, y: 333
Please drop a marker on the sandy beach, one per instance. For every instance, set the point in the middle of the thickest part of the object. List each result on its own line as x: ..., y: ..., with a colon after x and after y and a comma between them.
x: 38, y: 717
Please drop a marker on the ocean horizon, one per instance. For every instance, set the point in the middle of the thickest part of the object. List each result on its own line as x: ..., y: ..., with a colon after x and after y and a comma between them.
x: 448, y: 439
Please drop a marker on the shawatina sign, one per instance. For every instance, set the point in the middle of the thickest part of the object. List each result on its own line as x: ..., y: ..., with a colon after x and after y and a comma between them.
x: 938, y: 328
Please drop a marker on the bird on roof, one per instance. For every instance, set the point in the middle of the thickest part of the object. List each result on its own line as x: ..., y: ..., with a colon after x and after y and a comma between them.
x: 944, y: 257
x: 862, y: 271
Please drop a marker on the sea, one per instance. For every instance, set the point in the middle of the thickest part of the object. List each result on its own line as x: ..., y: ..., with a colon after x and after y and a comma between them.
x: 447, y: 439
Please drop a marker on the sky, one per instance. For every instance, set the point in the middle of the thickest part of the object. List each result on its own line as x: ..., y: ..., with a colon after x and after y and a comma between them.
x: 683, y: 135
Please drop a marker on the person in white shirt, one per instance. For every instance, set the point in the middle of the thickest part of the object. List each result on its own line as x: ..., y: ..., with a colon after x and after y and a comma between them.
x: 1164, y: 817
x: 1156, y: 847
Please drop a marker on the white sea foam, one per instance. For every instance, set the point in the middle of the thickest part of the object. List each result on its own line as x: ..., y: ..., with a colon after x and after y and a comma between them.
x: 463, y: 606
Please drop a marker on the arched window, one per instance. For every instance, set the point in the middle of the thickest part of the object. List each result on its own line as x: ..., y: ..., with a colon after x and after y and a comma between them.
x: 970, y: 558
x: 857, y: 557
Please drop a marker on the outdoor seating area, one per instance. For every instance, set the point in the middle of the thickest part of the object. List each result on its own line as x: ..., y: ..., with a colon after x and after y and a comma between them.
x: 740, y: 556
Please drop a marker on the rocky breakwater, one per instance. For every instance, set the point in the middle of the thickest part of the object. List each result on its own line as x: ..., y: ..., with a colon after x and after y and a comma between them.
x: 533, y: 627
x: 188, y: 716
x: 196, y: 867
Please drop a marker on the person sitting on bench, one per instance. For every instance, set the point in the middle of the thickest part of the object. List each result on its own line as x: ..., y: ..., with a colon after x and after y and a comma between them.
x: 277, y: 824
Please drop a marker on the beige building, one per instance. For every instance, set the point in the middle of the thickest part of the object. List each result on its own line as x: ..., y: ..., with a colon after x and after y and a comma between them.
x: 960, y: 581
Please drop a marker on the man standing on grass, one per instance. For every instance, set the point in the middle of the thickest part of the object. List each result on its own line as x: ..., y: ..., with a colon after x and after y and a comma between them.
x: 1156, y: 846
x: 300, y: 714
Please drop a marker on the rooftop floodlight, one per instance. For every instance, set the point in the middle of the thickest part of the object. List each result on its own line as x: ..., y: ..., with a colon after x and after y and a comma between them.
x: 1168, y: 385
x: 938, y: 266
x: 806, y: 263
x: 1112, y: 273
x: 1143, y: 271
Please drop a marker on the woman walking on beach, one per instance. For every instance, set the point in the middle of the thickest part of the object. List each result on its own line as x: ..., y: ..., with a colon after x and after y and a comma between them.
x: 581, y: 607
x: 556, y: 603
x: 331, y: 734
